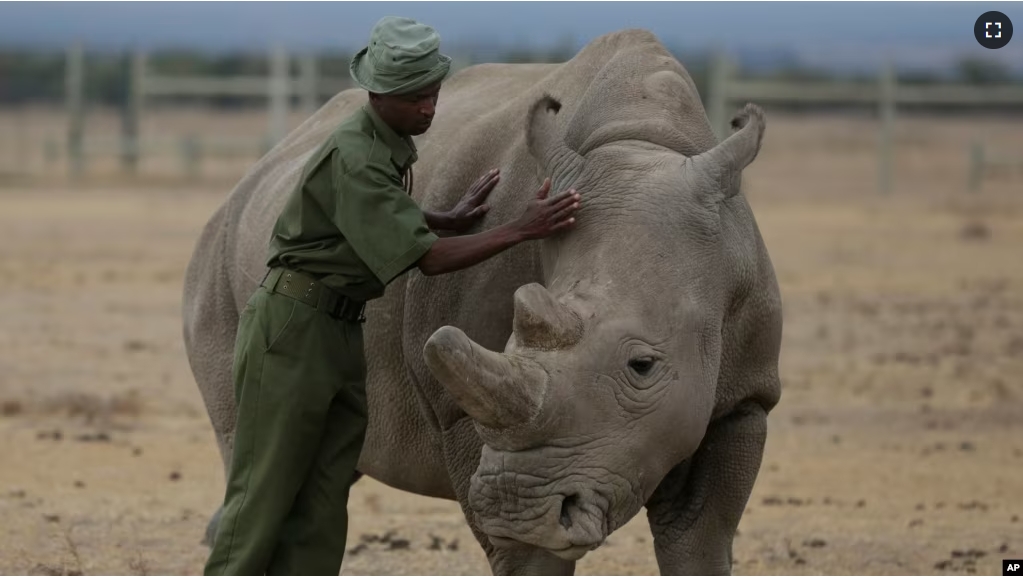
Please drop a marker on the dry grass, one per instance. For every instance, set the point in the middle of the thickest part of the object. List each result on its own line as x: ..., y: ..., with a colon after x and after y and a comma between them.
x: 138, y: 565
x: 93, y: 408
x: 75, y: 567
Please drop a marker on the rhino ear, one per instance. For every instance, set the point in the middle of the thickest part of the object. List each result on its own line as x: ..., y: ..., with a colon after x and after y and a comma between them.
x: 545, y: 143
x: 724, y: 163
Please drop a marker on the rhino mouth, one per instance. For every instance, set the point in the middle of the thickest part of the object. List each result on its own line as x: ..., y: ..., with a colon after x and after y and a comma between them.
x: 570, y: 553
x: 566, y: 525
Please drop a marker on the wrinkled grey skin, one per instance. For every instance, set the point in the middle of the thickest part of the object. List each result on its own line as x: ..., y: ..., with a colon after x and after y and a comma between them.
x: 629, y: 362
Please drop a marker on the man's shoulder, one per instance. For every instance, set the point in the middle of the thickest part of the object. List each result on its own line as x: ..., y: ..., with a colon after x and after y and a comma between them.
x: 357, y: 144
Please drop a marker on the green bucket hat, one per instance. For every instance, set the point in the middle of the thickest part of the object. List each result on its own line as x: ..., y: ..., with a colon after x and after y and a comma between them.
x: 402, y: 56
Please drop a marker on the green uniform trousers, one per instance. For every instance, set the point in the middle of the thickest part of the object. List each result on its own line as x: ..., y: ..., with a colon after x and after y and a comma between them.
x: 300, y: 395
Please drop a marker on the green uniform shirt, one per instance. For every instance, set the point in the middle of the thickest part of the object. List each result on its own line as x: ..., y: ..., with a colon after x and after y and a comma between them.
x: 350, y: 221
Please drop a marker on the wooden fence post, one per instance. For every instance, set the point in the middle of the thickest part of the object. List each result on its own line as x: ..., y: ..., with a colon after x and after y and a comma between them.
x: 131, y: 144
x: 74, y: 88
x: 886, y: 104
x: 310, y: 84
x: 191, y: 156
x: 719, y: 75
x: 976, y: 166
x: 279, y: 93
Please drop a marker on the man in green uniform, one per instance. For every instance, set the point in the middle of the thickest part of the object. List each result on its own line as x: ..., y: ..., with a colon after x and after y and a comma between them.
x: 348, y: 229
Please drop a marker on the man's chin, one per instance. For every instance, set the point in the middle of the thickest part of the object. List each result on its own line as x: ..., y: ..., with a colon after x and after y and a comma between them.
x: 420, y: 128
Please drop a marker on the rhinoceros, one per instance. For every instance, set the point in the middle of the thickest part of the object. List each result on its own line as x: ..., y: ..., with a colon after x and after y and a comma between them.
x: 559, y: 388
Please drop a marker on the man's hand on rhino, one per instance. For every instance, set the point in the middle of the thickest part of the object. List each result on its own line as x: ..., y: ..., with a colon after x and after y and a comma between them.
x: 545, y: 216
x: 471, y: 207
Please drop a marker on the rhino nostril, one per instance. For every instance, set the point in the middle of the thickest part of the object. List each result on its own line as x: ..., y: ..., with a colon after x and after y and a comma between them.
x: 570, y: 502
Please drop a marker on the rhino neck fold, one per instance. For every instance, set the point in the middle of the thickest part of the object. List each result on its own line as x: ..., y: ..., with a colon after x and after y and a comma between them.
x: 566, y: 169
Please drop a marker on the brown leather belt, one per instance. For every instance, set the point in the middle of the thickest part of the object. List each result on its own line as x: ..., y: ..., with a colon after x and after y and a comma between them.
x: 314, y: 293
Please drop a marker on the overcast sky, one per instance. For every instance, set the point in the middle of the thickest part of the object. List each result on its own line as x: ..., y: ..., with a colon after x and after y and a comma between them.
x: 842, y: 31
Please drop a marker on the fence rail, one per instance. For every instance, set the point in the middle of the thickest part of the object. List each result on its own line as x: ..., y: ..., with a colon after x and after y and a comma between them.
x: 244, y: 86
x: 278, y: 89
x: 725, y: 89
x: 859, y: 93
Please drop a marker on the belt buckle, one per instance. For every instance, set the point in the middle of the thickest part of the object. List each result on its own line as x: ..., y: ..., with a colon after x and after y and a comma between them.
x: 346, y: 310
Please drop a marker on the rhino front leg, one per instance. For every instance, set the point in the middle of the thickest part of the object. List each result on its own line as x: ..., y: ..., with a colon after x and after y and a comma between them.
x: 695, y: 510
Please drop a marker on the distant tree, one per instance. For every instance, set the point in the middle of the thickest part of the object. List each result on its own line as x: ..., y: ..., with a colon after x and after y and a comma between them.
x: 798, y: 74
x: 563, y: 51
x: 31, y: 77
x: 334, y: 64
x: 982, y: 71
x: 38, y: 76
x: 919, y: 77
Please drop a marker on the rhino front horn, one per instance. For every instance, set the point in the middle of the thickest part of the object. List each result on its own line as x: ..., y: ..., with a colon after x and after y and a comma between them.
x: 497, y: 390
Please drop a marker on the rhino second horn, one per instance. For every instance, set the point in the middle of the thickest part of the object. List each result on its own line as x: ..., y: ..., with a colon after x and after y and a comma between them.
x: 541, y: 322
x: 497, y: 390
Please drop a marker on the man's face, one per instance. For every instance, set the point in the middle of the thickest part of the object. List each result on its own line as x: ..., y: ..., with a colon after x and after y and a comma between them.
x: 408, y: 114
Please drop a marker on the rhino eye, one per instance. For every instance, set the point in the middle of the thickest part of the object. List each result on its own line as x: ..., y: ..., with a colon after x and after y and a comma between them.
x: 641, y: 365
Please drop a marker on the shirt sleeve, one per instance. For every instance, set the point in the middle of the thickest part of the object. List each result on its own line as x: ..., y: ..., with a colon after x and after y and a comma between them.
x: 385, y: 227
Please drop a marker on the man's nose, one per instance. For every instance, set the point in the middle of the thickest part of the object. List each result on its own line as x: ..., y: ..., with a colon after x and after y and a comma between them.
x: 428, y: 107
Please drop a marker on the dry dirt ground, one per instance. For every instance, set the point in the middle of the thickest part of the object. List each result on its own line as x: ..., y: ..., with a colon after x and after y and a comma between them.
x: 897, y: 447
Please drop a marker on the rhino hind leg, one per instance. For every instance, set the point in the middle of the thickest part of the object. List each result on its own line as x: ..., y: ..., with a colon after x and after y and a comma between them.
x: 210, y: 326
x: 696, y: 509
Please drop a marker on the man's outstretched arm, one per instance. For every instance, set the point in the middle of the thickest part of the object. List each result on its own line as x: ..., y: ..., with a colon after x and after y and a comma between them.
x: 542, y: 218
